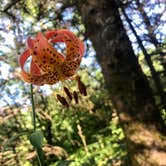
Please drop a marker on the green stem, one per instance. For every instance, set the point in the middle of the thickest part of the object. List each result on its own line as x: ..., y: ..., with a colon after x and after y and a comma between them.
x: 39, y: 152
x: 40, y: 156
x: 33, y: 110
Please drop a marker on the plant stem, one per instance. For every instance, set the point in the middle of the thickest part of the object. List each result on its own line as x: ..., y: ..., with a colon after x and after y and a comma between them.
x: 33, y: 110
x: 40, y: 156
x: 39, y: 152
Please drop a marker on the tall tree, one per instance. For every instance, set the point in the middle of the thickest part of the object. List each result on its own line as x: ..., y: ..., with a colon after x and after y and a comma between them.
x: 128, y: 86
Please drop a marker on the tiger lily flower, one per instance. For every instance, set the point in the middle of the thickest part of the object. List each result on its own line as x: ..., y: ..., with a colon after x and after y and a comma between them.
x: 48, y: 66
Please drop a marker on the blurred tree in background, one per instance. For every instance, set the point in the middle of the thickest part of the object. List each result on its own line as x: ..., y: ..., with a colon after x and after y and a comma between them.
x: 124, y: 70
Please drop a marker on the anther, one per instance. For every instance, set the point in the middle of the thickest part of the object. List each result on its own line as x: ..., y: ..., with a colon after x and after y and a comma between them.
x: 75, y: 95
x: 62, y: 100
x: 68, y: 93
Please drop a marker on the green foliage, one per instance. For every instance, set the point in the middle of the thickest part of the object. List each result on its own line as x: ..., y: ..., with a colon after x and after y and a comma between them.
x: 87, y: 133
x: 84, y: 134
x: 159, y: 68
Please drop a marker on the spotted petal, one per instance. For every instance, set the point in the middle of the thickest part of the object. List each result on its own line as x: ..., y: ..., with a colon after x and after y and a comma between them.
x: 75, y: 49
x: 34, y: 76
x: 44, y: 54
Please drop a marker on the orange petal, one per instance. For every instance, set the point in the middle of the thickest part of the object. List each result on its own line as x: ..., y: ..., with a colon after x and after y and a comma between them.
x: 22, y: 60
x: 67, y: 32
x: 76, y: 41
x: 27, y: 77
x: 81, y: 47
x: 34, y: 69
x: 57, y: 33
x: 50, y: 35
x: 75, y: 47
x: 44, y: 54
x: 39, y: 80
x: 70, y: 67
x: 52, y: 77
x: 30, y: 43
x: 23, y: 57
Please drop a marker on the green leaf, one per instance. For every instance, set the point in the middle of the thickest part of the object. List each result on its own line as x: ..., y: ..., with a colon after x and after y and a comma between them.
x: 36, y: 139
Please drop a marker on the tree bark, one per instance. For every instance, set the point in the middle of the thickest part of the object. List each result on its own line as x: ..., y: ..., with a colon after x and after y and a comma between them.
x: 128, y: 86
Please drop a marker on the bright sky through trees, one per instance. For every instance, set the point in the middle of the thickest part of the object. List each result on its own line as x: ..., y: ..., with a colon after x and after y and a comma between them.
x: 6, y: 33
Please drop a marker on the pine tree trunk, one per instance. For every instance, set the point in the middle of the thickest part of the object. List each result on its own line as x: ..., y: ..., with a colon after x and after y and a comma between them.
x: 128, y: 86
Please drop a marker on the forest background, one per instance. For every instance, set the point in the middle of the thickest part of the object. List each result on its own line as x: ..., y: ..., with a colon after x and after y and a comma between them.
x: 122, y: 120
